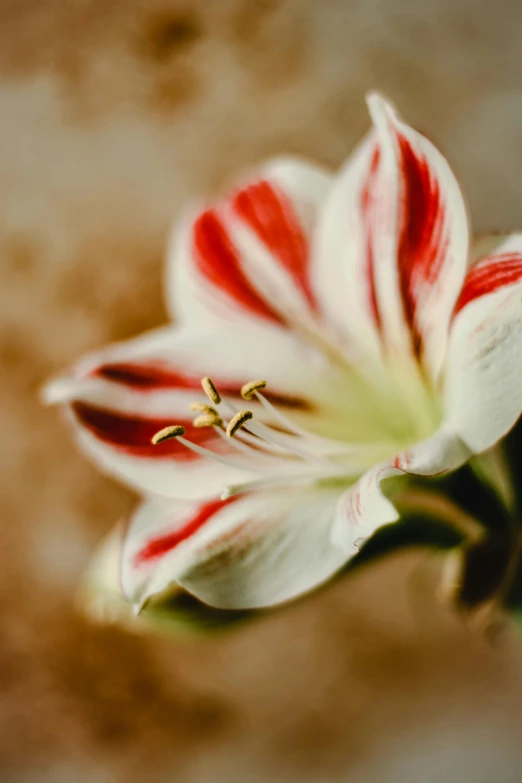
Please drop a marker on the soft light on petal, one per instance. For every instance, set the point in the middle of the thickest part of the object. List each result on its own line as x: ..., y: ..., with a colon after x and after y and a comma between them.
x: 255, y: 550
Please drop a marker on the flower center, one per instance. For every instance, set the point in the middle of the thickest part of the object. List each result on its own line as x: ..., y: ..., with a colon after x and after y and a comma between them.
x: 279, y: 452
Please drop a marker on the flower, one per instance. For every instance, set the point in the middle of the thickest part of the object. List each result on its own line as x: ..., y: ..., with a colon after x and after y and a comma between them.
x: 383, y: 354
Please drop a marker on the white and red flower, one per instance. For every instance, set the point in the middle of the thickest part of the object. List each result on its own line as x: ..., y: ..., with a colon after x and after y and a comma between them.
x: 383, y: 352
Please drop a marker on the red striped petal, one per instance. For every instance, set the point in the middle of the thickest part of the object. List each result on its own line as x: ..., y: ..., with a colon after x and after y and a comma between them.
x: 249, y: 256
x: 482, y: 389
x: 254, y: 550
x: 490, y: 276
x: 159, y: 546
x: 218, y: 261
x: 270, y: 215
x: 393, y: 248
x: 117, y: 398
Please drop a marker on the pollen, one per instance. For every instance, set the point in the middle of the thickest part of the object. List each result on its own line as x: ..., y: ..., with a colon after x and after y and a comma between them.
x: 201, y: 407
x: 250, y: 388
x: 174, y: 431
x: 238, y: 421
x: 211, y: 391
x: 208, y: 420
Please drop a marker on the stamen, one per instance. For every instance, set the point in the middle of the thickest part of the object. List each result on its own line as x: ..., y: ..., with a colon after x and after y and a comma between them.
x: 208, y: 420
x: 201, y: 407
x: 237, y: 422
x: 255, y: 434
x: 274, y: 439
x: 216, y: 457
x: 174, y: 431
x: 177, y: 431
x: 250, y: 388
x: 211, y: 391
x: 286, y: 442
x: 260, y: 443
x: 289, y: 425
x: 241, y: 446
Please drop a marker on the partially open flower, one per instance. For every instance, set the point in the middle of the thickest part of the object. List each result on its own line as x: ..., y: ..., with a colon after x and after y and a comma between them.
x: 381, y: 354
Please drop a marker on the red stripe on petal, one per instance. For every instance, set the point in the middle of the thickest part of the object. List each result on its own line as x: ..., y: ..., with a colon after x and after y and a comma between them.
x: 157, y: 547
x: 145, y: 376
x: 152, y: 377
x: 270, y: 215
x: 422, y: 248
x: 218, y: 260
x: 132, y: 434
x: 367, y: 202
x: 490, y: 276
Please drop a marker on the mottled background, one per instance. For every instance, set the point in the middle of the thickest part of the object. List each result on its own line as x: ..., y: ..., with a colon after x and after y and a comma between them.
x: 112, y: 113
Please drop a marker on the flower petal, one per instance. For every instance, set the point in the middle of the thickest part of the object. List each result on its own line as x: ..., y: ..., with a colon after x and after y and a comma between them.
x: 392, y: 245
x: 249, y: 256
x: 118, y: 398
x: 99, y: 594
x: 483, y: 381
x: 364, y: 507
x: 255, y: 550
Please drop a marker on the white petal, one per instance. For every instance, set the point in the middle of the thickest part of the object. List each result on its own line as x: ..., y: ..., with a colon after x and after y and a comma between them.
x: 483, y: 382
x: 364, y: 507
x: 251, y: 551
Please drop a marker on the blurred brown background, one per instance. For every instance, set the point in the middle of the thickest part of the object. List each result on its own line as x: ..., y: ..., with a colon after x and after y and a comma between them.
x: 112, y: 113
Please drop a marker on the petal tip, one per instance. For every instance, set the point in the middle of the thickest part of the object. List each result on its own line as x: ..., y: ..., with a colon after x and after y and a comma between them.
x: 137, y: 608
x: 55, y: 392
x: 66, y: 389
x: 380, y: 108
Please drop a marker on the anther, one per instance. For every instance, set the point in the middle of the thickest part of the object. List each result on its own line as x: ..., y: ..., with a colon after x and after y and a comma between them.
x: 238, y: 421
x: 201, y: 407
x: 174, y: 431
x: 208, y: 420
x: 250, y: 388
x: 211, y: 391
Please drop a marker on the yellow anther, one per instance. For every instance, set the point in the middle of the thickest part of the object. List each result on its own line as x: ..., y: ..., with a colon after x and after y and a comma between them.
x: 174, y: 431
x: 211, y: 391
x: 250, y: 388
x: 201, y: 407
x: 238, y: 421
x: 208, y: 420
